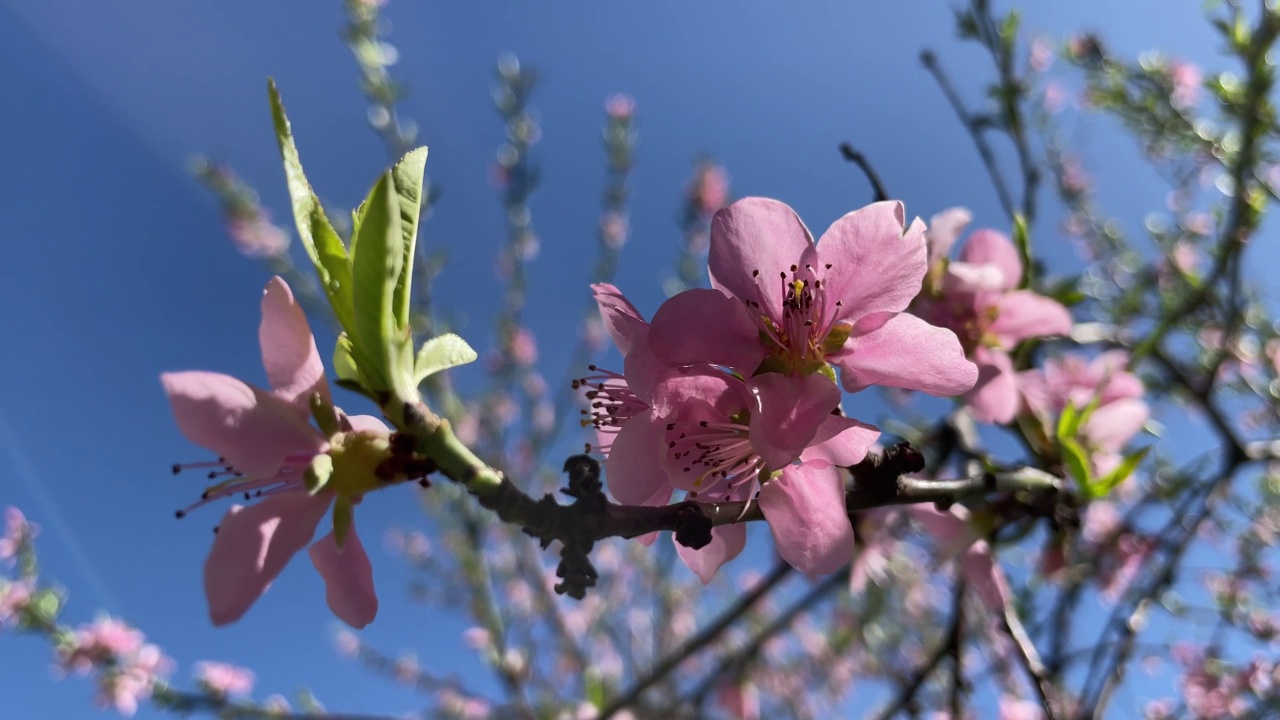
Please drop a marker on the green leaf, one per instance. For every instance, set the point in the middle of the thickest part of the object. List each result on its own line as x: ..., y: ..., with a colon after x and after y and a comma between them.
x: 1022, y: 241
x: 1077, y: 460
x: 1068, y: 423
x: 342, y: 515
x: 345, y: 367
x: 376, y: 264
x: 1111, y: 480
x: 441, y: 353
x: 593, y: 686
x: 407, y: 175
x: 321, y: 241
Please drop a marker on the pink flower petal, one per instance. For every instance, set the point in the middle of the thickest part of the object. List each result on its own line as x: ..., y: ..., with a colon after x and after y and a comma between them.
x: 727, y: 541
x: 1024, y: 314
x: 752, y: 241
x: 901, y: 350
x: 1111, y: 426
x: 789, y: 413
x: 987, y: 246
x: 633, y: 469
x: 874, y: 266
x: 984, y: 576
x: 994, y: 399
x: 841, y: 441
x: 724, y: 393
x: 706, y: 326
x: 944, y: 229
x: 950, y: 531
x: 288, y: 349
x: 1036, y: 394
x: 368, y: 423
x: 348, y: 578
x: 254, y: 430
x: 806, y: 513
x: 253, y: 545
x: 625, y: 325
x: 963, y: 277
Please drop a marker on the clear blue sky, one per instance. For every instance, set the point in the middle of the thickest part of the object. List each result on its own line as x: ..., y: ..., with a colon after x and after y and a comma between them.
x: 116, y: 267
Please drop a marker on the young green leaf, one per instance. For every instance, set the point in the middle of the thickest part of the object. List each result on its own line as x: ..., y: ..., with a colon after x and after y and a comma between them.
x: 1021, y: 238
x: 375, y: 268
x: 321, y: 241
x: 407, y: 175
x: 441, y: 353
x: 341, y: 519
x: 1111, y: 480
x: 1077, y: 460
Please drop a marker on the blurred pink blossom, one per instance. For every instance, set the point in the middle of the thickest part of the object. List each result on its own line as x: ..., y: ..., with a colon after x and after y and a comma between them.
x: 224, y: 679
x: 17, y: 532
x: 619, y: 106
x: 257, y: 236
x: 1040, y: 54
x: 14, y: 597
x: 1187, y: 79
x: 709, y: 189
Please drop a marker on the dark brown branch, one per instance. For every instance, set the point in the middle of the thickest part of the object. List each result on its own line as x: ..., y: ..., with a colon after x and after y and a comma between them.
x: 930, y: 62
x: 1030, y: 659
x: 857, y: 158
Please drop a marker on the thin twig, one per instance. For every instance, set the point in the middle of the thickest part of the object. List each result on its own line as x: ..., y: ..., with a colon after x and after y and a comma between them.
x: 708, y: 635
x: 857, y: 158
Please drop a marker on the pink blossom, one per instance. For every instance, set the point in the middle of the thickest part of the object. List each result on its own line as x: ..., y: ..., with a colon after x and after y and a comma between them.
x: 477, y: 638
x: 1013, y: 708
x: 524, y: 347
x: 98, y: 643
x: 1040, y: 56
x: 224, y: 679
x: 127, y: 667
x: 17, y: 533
x: 718, y: 435
x: 1121, y: 564
x: 1055, y: 97
x: 347, y: 644
x: 1187, y: 79
x: 133, y: 679
x: 709, y: 190
x: 955, y: 537
x: 620, y: 107
x: 1120, y: 412
x: 740, y: 701
x: 977, y: 296
x: 265, y: 447
x: 796, y: 306
x: 14, y: 597
x: 620, y: 405
x: 256, y: 236
x: 614, y: 229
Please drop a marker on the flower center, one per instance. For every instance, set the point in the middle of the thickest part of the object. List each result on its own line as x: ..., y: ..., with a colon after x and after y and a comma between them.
x: 718, y: 454
x: 806, y: 333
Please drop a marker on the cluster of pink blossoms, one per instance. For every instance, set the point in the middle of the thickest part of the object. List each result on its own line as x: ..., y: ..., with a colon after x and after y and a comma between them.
x: 977, y: 296
x: 733, y: 390
x: 128, y: 667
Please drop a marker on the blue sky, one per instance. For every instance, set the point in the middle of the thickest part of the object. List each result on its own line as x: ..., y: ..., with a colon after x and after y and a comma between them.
x: 117, y: 269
